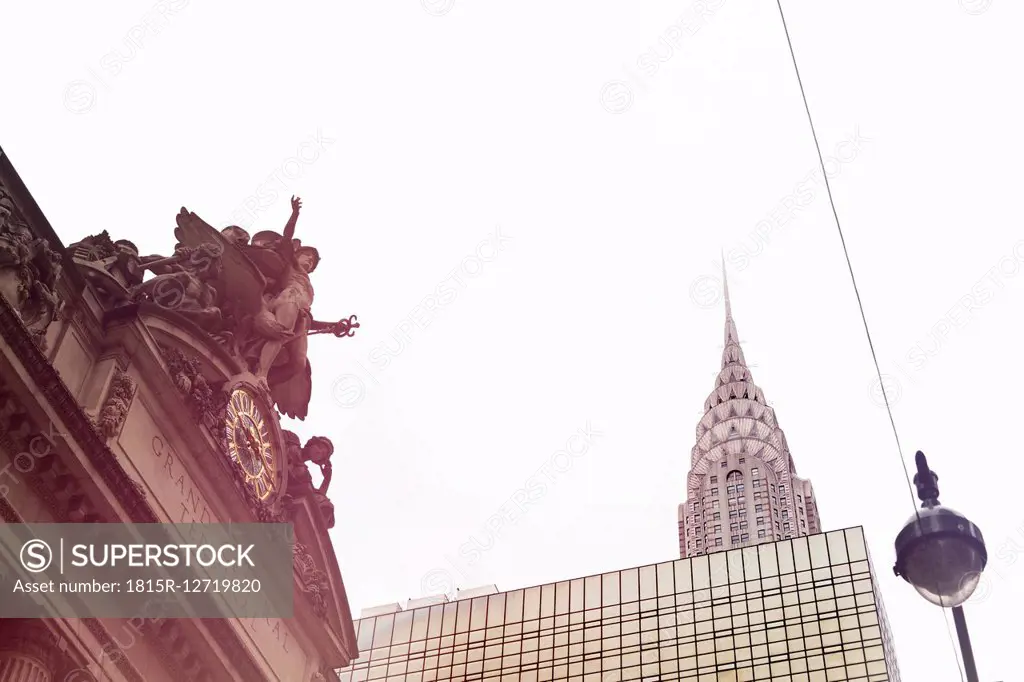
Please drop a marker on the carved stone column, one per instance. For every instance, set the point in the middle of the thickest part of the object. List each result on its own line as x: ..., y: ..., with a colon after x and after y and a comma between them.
x: 28, y: 651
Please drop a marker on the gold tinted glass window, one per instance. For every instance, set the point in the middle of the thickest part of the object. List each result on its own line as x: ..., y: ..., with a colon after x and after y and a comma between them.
x: 802, y: 610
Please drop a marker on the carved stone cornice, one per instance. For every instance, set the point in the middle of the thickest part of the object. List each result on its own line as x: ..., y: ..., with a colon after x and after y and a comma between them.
x: 56, y: 393
x: 33, y: 458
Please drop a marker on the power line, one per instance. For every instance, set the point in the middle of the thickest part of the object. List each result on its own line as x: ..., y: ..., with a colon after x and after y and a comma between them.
x: 856, y: 290
x: 842, y: 238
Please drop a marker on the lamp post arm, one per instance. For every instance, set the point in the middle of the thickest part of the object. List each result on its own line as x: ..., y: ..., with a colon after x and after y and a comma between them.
x: 965, y: 644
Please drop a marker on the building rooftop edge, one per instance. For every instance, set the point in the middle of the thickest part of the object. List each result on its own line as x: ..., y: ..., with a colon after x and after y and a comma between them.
x: 591, y: 575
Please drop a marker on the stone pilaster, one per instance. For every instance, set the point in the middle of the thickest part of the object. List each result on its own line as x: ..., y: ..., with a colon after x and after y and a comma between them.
x: 28, y: 651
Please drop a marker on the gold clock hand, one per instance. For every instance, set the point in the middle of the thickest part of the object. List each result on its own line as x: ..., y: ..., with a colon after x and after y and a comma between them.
x: 254, y: 439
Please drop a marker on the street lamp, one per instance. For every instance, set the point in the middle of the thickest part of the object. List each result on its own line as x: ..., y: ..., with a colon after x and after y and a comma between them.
x: 942, y: 554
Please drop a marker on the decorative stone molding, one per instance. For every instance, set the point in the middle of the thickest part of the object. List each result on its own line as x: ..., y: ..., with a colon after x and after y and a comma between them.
x: 7, y: 512
x: 15, y: 425
x: 35, y: 461
x: 96, y: 247
x: 119, y: 400
x: 177, y: 651
x: 139, y: 488
x: 112, y: 268
x: 29, y: 271
x: 314, y: 581
x: 207, y: 405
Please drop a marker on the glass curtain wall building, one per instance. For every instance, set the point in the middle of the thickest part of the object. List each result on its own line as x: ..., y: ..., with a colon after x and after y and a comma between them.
x: 801, y: 610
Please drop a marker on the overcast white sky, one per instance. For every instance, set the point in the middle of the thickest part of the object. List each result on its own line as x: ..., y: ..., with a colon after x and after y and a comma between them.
x: 613, y: 179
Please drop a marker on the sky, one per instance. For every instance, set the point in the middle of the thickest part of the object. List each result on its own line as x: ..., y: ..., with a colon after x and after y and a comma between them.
x: 526, y: 204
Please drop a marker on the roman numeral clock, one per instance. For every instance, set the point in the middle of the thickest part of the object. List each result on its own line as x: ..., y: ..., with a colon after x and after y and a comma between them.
x: 254, y: 441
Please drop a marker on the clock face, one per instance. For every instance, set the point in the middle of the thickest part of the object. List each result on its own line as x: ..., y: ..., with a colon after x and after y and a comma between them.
x: 249, y: 442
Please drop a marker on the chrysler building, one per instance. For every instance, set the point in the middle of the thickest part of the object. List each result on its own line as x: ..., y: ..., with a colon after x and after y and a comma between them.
x: 742, y: 489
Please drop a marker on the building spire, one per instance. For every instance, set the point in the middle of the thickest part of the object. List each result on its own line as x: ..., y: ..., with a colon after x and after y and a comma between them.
x: 732, y: 337
x: 725, y: 289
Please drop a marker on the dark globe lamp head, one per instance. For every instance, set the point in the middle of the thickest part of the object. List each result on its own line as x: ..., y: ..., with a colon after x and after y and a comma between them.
x: 942, y: 555
x: 939, y: 551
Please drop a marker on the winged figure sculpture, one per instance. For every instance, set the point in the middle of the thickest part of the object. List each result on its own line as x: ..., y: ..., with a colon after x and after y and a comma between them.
x: 266, y: 284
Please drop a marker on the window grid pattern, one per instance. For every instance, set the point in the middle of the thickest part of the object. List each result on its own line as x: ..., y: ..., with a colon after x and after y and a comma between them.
x: 802, y: 610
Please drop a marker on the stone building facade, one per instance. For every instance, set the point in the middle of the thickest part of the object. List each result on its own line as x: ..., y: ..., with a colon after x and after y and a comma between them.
x: 123, y: 400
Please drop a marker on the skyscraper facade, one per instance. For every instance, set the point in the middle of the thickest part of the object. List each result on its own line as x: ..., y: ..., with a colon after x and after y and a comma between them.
x: 742, y: 488
x: 805, y: 609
